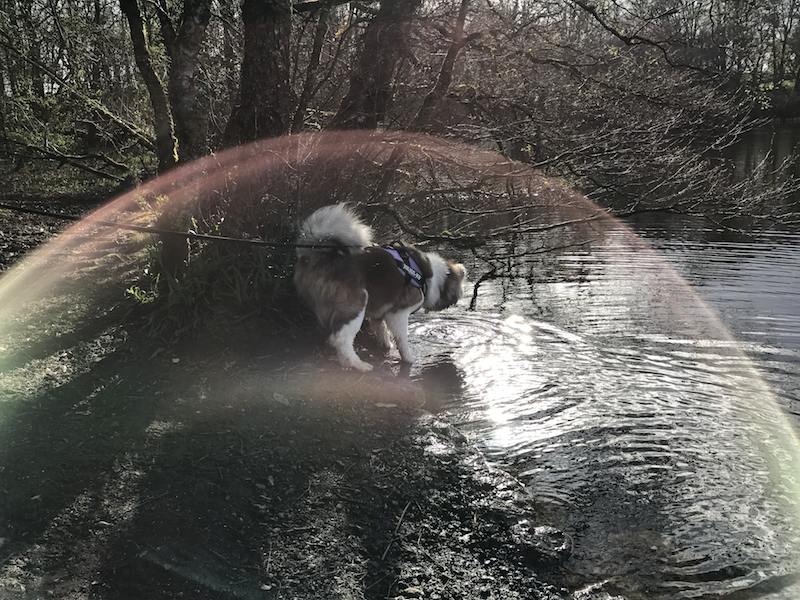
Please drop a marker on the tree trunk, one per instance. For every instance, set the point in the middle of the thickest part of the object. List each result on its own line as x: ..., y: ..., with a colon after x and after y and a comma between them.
x: 187, y: 106
x: 190, y: 120
x: 265, y: 96
x: 320, y: 33
x: 166, y: 148
x: 34, y: 50
x: 230, y: 58
x: 384, y: 43
x: 435, y: 96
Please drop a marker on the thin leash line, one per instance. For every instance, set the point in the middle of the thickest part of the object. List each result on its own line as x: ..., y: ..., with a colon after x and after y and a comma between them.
x: 192, y: 235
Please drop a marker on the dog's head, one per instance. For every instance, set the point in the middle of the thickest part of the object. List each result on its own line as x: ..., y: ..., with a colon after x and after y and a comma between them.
x: 446, y: 286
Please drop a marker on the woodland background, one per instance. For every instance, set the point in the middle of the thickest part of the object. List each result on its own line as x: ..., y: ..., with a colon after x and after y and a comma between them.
x: 632, y: 102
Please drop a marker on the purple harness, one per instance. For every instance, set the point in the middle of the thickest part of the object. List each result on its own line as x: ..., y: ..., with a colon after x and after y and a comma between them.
x: 407, y: 267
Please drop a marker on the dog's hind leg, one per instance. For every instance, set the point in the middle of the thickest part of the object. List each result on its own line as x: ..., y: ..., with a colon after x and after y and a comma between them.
x: 342, y: 340
x: 398, y: 325
x: 378, y: 327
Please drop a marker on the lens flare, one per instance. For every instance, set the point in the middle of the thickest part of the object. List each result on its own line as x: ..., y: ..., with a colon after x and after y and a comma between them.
x: 64, y: 317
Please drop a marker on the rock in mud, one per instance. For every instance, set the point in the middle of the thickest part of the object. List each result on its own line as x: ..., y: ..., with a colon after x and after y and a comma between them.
x: 543, y: 545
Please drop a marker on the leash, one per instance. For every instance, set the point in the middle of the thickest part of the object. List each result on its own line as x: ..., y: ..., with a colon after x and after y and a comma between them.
x: 191, y: 235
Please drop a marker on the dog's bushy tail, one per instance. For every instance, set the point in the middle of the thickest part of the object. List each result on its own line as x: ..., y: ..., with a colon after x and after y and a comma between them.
x: 334, y: 227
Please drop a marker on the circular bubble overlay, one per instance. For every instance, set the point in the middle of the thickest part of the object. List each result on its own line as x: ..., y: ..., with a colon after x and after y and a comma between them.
x: 136, y: 421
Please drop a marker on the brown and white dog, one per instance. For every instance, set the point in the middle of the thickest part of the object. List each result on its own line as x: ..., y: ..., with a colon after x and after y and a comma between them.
x: 345, y: 279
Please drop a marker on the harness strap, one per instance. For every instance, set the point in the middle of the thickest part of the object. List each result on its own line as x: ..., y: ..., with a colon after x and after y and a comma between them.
x: 407, y: 267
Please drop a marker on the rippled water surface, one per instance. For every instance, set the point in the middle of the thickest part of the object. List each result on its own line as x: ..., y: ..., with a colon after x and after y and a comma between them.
x: 648, y: 394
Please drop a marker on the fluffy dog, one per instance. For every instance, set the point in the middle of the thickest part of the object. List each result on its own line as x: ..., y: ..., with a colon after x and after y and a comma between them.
x: 344, y: 279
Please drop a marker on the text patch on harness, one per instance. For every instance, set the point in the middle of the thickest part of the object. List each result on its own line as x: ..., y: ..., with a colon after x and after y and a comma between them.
x: 407, y: 267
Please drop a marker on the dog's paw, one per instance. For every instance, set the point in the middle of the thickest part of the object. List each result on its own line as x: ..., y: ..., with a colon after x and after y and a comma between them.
x: 406, y: 354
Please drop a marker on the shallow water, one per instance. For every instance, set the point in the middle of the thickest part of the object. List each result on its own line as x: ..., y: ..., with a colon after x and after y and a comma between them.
x: 649, y: 399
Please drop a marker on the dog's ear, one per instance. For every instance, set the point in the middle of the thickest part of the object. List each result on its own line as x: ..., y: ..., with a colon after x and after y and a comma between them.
x: 458, y: 270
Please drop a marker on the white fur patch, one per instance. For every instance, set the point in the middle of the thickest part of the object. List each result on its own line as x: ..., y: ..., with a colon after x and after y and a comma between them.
x: 336, y: 224
x: 342, y: 341
x: 440, y: 272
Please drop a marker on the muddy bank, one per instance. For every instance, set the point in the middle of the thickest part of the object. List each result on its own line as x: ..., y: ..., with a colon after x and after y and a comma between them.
x: 21, y: 233
x: 230, y: 478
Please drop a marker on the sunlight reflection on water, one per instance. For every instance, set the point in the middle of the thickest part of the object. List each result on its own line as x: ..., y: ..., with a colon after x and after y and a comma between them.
x: 638, y: 424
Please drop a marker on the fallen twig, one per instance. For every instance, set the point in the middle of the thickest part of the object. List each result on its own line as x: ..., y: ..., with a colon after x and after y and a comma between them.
x: 396, y: 529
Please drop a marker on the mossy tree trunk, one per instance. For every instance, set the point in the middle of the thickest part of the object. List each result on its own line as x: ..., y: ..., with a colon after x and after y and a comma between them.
x: 166, y: 143
x: 180, y: 121
x: 188, y: 110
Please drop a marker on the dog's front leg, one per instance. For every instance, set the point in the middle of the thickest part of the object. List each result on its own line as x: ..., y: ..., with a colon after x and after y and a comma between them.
x: 398, y: 325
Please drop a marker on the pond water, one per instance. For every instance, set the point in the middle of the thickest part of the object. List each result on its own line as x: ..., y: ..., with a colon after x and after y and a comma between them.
x: 774, y: 143
x: 648, y: 394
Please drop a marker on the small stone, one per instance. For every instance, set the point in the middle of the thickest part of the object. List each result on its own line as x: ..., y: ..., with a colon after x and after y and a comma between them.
x: 544, y: 545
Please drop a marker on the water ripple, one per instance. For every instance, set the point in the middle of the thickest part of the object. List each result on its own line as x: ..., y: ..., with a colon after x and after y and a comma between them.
x: 640, y: 425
